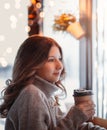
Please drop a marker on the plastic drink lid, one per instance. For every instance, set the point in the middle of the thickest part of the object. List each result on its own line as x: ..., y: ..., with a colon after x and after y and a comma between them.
x: 82, y: 92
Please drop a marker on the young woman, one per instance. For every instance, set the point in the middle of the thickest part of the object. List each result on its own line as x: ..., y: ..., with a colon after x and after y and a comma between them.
x: 29, y: 98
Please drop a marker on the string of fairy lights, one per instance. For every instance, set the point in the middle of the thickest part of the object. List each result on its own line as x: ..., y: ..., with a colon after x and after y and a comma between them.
x: 10, y: 18
x: 13, y: 21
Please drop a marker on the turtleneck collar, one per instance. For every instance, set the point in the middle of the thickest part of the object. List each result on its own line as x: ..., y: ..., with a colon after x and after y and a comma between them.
x: 48, y: 88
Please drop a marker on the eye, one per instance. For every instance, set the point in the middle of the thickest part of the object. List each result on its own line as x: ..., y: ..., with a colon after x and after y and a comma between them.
x: 51, y: 59
x: 60, y: 59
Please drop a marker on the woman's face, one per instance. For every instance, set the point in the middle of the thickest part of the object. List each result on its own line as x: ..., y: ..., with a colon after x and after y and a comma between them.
x: 53, y: 67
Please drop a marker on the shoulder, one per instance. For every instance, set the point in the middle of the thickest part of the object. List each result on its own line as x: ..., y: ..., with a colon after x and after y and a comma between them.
x: 31, y: 96
x: 32, y: 91
x: 31, y: 103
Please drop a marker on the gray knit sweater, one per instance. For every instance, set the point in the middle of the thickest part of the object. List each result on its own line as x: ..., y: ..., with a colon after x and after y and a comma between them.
x: 35, y: 109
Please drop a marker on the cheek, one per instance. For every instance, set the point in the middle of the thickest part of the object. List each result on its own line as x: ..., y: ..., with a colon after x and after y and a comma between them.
x: 44, y: 71
x: 47, y: 70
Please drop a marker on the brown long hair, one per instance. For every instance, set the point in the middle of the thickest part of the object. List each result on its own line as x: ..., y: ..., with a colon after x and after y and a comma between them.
x: 30, y: 56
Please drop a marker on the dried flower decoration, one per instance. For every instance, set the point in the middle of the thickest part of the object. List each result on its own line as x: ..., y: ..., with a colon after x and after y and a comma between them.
x: 63, y: 21
x: 68, y: 23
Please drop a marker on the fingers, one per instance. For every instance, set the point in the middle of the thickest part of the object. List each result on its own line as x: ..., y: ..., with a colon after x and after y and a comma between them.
x: 88, y: 108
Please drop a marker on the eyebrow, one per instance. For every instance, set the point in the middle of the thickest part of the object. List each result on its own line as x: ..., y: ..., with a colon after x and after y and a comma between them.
x: 55, y: 56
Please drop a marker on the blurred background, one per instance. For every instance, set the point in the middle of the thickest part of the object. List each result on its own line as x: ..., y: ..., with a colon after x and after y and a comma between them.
x: 85, y: 57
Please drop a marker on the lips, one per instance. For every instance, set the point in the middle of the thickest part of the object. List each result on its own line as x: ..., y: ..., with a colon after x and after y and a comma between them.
x: 57, y: 73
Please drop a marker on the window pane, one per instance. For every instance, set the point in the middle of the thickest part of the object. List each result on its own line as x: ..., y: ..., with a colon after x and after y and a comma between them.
x: 100, y: 56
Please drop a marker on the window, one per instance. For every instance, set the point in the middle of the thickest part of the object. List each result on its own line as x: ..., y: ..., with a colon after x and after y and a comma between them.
x: 93, y: 52
x: 99, y: 43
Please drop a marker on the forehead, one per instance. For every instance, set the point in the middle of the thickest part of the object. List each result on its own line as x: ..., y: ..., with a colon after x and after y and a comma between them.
x: 54, y: 51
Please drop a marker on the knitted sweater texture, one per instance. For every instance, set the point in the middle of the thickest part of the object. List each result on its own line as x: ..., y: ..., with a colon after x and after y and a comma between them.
x: 35, y: 109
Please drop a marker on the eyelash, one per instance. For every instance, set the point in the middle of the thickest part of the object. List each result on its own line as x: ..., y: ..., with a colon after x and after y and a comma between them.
x: 53, y: 59
x: 60, y: 59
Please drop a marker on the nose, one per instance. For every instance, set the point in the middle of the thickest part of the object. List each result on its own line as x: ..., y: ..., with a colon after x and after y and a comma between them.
x: 59, y: 65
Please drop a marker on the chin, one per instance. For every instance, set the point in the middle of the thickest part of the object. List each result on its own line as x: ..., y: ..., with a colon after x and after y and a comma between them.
x: 56, y: 80
x: 53, y: 81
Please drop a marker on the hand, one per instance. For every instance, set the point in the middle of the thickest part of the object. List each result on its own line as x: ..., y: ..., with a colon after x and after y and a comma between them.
x: 88, y: 108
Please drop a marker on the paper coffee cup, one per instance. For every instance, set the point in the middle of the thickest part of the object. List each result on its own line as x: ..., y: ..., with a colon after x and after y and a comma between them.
x: 82, y: 95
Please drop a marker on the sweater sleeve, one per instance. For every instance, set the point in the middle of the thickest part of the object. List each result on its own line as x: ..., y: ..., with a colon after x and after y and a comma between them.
x: 90, y: 126
x: 76, y: 120
x: 72, y: 120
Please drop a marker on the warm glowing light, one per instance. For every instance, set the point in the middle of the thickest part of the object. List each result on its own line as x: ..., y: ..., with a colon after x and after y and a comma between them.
x: 51, y: 3
x: 9, y: 50
x: 38, y: 5
x: 41, y: 14
x: 2, y: 38
x: 17, y: 4
x: 13, y: 18
x: 3, y: 62
x: 7, y: 6
x: 27, y: 28
x: 33, y: 1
